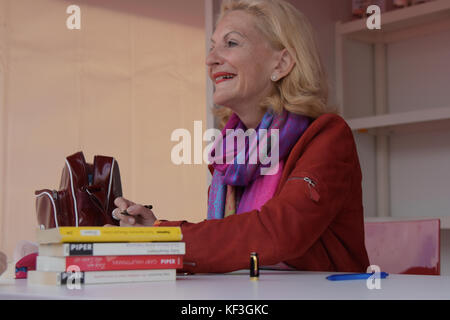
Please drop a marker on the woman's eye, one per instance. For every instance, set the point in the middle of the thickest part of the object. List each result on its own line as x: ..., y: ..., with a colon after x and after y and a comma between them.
x: 231, y: 43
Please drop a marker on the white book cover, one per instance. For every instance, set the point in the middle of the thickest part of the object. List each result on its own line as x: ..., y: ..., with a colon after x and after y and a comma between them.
x: 99, y: 277
x: 112, y: 249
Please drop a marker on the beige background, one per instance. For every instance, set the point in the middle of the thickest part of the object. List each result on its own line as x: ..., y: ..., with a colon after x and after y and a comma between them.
x: 117, y: 87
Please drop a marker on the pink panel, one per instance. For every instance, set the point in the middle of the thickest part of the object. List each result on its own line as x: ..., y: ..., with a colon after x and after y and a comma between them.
x: 408, y: 247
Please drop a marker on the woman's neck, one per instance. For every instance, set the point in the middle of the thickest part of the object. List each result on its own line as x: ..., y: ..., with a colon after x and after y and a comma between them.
x: 251, y: 119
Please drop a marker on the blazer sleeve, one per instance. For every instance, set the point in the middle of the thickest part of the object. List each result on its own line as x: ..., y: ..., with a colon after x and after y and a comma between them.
x: 292, y: 221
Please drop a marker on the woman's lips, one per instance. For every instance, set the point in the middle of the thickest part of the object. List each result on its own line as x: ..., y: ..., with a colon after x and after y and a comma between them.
x: 223, y: 76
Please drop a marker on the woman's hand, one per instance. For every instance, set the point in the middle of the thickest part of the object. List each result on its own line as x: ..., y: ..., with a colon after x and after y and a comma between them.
x: 140, y: 216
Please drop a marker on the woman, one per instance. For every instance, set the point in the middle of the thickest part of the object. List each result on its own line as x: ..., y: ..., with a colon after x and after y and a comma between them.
x: 308, y: 215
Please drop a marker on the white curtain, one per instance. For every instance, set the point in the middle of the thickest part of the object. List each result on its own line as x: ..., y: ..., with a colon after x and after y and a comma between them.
x: 119, y: 86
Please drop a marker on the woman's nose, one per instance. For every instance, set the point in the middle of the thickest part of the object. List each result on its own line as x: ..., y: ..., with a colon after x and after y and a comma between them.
x: 213, y: 58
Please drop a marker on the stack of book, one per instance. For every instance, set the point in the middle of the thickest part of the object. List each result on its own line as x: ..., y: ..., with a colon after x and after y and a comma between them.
x: 107, y: 255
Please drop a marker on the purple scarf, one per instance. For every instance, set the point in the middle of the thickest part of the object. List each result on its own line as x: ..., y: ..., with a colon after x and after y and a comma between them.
x: 250, y: 184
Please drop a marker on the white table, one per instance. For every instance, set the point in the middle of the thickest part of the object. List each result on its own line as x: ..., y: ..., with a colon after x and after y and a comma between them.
x: 272, y: 285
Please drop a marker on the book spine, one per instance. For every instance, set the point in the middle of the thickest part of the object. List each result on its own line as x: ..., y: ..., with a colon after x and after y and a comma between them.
x: 103, y: 263
x: 120, y: 235
x: 98, y: 277
x: 117, y: 249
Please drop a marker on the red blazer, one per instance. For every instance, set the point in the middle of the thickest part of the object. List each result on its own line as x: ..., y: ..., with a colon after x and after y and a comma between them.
x: 316, y: 227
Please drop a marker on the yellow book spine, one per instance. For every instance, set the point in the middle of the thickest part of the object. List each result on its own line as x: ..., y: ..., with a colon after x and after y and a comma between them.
x: 119, y: 234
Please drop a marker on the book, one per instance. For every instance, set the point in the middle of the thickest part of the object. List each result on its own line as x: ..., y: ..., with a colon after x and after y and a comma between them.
x: 111, y: 248
x: 98, y: 277
x: 108, y: 263
x: 359, y: 7
x: 400, y: 3
x: 108, y: 234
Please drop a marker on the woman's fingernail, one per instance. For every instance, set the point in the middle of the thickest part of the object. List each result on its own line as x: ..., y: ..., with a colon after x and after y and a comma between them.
x: 131, y: 220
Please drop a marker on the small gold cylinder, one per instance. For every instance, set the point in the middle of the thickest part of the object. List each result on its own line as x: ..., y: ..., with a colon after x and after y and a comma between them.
x: 254, y: 266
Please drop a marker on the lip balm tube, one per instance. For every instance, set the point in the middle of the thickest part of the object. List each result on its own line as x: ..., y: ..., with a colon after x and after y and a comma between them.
x: 254, y: 266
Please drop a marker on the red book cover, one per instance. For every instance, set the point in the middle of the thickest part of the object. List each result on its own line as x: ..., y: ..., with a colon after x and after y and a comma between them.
x: 103, y: 263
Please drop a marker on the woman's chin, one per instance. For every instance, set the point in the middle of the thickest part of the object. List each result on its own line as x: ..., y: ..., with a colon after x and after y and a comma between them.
x: 222, y: 102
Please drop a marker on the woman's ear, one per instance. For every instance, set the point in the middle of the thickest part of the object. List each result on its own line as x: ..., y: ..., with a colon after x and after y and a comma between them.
x: 284, y: 65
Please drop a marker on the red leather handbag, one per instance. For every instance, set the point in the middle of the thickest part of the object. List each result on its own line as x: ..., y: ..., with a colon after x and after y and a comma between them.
x: 85, y: 196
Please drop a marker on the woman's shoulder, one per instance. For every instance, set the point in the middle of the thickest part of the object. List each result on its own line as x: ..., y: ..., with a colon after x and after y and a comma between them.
x: 330, y: 135
x: 329, y: 119
x: 327, y: 125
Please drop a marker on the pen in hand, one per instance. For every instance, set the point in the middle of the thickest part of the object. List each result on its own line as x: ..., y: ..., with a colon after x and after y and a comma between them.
x: 125, y: 213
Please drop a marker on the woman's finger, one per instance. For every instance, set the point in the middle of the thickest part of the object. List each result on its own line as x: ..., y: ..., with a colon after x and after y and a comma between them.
x: 123, y: 203
x: 140, y: 210
x: 128, y: 222
x: 117, y: 214
x: 126, y: 218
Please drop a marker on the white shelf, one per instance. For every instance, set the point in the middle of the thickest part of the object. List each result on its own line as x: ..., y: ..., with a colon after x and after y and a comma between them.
x: 401, y: 119
x: 445, y: 221
x: 416, y: 20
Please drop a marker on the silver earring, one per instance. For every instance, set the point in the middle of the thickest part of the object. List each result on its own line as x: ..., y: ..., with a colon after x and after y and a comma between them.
x: 274, y: 78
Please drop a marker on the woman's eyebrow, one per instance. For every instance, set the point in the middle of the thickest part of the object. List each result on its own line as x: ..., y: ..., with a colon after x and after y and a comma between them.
x: 226, y: 35
x: 234, y: 32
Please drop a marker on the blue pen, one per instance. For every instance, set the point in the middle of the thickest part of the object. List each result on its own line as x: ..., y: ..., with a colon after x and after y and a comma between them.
x: 356, y: 276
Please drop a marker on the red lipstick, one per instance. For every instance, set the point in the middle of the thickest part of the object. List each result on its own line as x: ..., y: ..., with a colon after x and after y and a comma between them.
x: 222, y: 76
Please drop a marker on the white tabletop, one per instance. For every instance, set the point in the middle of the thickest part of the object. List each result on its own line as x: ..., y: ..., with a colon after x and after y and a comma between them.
x: 272, y: 285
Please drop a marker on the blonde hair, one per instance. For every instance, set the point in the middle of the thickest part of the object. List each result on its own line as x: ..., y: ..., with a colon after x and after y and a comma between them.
x: 305, y: 89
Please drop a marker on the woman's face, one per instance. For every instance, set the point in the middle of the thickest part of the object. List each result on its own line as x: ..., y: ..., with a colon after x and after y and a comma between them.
x: 240, y: 62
